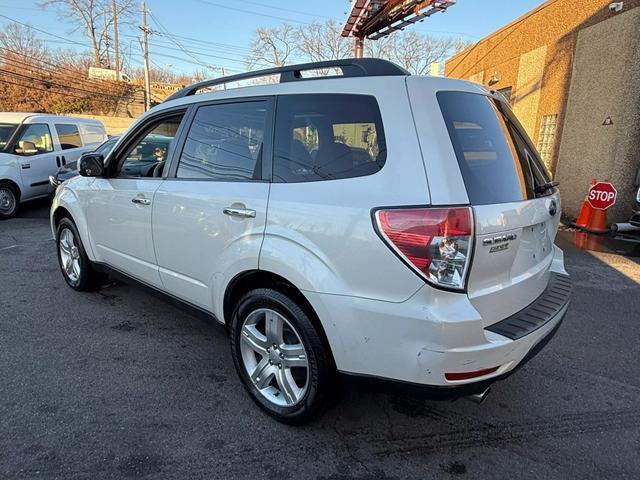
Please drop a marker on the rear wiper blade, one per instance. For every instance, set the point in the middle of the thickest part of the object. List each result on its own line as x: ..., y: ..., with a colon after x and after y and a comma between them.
x: 545, y: 186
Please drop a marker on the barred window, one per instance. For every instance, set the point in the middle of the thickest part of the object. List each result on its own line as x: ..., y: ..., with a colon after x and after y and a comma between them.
x: 546, y: 138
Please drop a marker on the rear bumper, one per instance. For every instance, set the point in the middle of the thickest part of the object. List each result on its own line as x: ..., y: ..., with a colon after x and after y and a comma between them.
x: 417, y: 342
x: 371, y: 383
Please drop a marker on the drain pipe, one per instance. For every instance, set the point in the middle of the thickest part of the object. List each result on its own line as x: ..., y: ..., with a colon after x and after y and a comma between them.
x: 624, y: 227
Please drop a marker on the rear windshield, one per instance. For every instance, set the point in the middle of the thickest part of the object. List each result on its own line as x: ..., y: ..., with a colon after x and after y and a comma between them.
x: 6, y: 130
x: 495, y: 155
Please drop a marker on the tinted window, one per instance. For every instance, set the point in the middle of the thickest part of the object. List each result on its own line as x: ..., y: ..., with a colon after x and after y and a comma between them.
x: 39, y: 135
x: 326, y: 137
x: 225, y: 142
x: 495, y: 157
x: 6, y: 130
x: 148, y: 156
x: 106, y: 147
x: 68, y: 135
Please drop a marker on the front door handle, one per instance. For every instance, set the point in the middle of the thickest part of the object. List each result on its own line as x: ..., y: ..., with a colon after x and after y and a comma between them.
x: 141, y: 201
x: 239, y: 212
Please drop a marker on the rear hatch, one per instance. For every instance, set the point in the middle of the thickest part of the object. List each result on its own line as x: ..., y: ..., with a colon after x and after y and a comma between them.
x: 516, y: 207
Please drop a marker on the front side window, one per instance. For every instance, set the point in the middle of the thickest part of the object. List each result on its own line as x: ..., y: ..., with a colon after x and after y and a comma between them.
x: 225, y: 142
x: 6, y: 130
x: 36, y: 136
x: 68, y: 135
x: 327, y: 137
x: 495, y: 156
x: 148, y: 155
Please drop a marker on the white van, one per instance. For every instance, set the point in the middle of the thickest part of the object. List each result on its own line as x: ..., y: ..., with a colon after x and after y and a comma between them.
x: 33, y: 146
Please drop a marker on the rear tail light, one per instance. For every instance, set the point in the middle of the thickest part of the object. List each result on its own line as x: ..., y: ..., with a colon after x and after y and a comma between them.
x: 434, y: 242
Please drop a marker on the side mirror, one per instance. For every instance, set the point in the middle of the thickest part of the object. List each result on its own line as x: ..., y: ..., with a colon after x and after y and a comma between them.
x: 28, y: 148
x: 91, y: 165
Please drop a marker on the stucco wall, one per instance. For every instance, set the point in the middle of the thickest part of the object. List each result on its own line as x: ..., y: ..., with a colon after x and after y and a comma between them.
x: 605, y: 82
x: 113, y: 125
x: 606, y: 62
x: 526, y: 96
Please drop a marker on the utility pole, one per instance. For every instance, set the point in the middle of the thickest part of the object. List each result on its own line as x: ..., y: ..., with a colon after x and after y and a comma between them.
x: 358, y: 47
x: 116, y: 45
x: 145, y: 53
x: 106, y: 39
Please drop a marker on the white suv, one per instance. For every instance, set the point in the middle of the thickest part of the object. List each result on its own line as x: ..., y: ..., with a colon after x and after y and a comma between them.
x: 374, y: 227
x: 34, y: 146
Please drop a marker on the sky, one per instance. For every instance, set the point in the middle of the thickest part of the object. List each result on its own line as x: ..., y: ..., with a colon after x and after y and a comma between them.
x: 219, y: 31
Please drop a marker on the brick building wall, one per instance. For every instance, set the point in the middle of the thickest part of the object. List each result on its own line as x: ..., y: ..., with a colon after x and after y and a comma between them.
x: 534, y: 60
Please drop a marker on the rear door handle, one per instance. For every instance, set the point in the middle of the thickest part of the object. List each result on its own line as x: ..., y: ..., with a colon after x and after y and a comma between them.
x: 141, y: 201
x: 239, y: 212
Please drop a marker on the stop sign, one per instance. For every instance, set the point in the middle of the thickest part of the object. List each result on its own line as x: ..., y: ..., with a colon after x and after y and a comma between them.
x: 602, y: 195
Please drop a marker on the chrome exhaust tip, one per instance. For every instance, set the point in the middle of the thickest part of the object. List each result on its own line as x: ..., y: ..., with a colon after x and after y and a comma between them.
x: 479, y: 397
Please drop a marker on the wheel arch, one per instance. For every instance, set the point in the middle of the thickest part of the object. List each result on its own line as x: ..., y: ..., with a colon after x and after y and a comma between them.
x: 252, y: 279
x: 67, y: 205
x: 13, y: 184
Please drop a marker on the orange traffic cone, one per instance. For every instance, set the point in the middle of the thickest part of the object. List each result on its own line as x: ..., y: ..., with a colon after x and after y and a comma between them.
x: 586, y: 211
x: 598, y: 221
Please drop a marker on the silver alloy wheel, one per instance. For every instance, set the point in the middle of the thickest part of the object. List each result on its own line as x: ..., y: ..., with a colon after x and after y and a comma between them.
x: 274, y: 357
x: 69, y: 255
x: 7, y: 200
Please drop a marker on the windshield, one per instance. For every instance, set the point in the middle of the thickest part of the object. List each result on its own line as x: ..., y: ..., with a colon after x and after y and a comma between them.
x: 106, y: 147
x: 496, y: 158
x: 6, y: 130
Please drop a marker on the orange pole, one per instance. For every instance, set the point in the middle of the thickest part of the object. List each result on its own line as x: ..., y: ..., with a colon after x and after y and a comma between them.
x: 358, y: 47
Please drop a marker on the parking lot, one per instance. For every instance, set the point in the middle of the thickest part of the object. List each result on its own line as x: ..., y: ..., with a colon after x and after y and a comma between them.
x: 119, y: 384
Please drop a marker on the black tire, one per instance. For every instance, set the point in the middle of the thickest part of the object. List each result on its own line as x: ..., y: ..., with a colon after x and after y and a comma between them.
x: 315, y: 398
x: 88, y: 279
x: 9, y: 201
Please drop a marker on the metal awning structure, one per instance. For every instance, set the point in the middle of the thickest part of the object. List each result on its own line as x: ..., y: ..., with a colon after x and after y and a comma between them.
x: 374, y: 19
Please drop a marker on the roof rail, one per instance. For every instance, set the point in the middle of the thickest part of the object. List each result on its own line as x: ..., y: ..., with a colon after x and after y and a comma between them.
x: 351, y: 67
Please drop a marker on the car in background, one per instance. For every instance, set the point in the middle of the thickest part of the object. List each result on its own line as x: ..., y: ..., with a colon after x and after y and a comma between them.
x: 70, y: 170
x: 635, y: 217
x: 33, y: 146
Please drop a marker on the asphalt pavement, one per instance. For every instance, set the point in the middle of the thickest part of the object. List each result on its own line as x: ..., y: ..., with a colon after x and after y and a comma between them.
x: 120, y: 384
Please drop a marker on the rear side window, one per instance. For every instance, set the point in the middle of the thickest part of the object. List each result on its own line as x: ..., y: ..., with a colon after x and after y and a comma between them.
x: 225, y: 143
x: 93, y: 133
x: 495, y: 156
x: 327, y: 137
x: 68, y: 135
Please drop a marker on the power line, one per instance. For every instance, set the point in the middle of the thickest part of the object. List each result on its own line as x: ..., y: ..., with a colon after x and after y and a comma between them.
x: 54, y: 89
x: 25, y: 65
x: 213, y: 4
x: 162, y: 27
x: 42, y: 31
x: 158, y: 45
x: 55, y: 84
x: 290, y: 10
x: 96, y: 83
x: 182, y: 59
x: 200, y: 45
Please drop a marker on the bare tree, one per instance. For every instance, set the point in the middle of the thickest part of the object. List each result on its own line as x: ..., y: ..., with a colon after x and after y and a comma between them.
x: 95, y: 18
x: 20, y: 40
x: 323, y: 41
x: 272, y: 47
x: 416, y: 53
